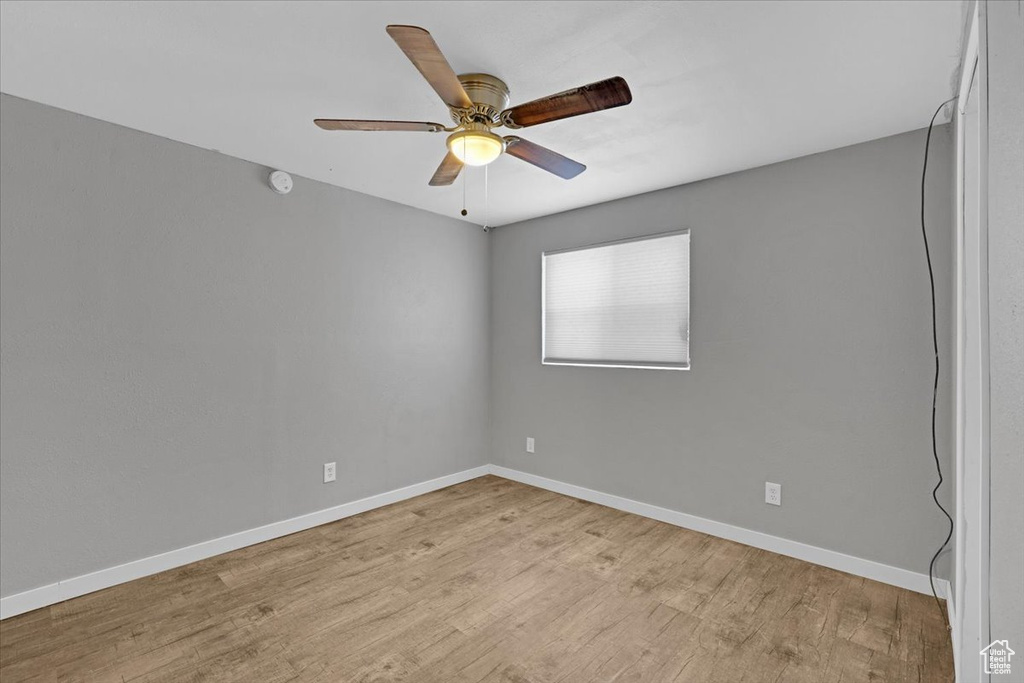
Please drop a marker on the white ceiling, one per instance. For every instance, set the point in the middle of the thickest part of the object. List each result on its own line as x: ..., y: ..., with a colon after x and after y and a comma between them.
x: 717, y: 86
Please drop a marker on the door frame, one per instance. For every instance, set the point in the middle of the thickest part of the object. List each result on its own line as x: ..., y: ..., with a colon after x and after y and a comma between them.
x: 968, y: 631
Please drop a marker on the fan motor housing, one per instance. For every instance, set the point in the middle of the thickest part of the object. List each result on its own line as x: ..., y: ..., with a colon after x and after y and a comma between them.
x: 489, y: 95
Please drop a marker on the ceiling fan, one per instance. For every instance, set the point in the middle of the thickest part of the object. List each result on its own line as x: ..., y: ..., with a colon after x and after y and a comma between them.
x: 478, y: 102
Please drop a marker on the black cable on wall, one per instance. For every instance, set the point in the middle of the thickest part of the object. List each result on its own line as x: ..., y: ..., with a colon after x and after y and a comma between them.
x: 935, y: 383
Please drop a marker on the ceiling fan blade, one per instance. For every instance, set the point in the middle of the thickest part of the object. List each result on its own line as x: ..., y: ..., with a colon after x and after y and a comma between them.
x: 542, y: 157
x: 447, y: 172
x: 423, y: 52
x: 359, y: 124
x: 607, y: 94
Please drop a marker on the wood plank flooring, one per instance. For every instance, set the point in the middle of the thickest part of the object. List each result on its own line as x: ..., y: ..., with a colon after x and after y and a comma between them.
x: 487, y: 581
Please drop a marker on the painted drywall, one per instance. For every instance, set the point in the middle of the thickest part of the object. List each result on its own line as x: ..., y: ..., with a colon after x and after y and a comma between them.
x: 1005, y: 69
x: 182, y: 349
x: 811, y: 354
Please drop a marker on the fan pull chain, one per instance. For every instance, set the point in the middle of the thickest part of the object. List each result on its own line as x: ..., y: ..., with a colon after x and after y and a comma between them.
x: 464, y: 174
x: 487, y: 201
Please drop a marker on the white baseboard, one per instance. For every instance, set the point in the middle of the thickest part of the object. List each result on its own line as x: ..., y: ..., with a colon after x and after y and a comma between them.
x: 105, y: 578
x: 954, y: 634
x: 827, y: 558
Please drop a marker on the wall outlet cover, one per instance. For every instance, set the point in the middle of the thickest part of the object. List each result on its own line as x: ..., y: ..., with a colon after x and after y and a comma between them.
x: 772, y: 493
x: 529, y: 445
x: 330, y: 472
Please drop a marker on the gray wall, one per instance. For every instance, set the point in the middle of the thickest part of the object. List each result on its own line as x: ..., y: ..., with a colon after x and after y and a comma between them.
x: 811, y: 354
x: 1005, y: 55
x: 182, y: 349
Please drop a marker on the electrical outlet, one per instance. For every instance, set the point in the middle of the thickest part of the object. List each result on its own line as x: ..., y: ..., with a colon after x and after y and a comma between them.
x: 772, y: 493
x: 330, y: 472
x: 529, y: 445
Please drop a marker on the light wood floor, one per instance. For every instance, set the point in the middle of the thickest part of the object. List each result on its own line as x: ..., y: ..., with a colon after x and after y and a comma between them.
x: 489, y: 580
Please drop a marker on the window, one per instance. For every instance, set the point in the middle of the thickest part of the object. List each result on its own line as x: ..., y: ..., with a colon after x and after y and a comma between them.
x: 619, y: 304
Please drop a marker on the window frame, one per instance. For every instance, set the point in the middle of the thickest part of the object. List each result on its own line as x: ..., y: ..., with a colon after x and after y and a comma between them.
x: 636, y: 365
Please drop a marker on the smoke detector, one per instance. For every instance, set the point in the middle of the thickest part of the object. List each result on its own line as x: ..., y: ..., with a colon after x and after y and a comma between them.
x: 280, y: 182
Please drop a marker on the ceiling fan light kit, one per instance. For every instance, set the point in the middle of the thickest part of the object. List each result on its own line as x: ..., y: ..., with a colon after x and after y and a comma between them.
x: 477, y: 103
x: 476, y: 145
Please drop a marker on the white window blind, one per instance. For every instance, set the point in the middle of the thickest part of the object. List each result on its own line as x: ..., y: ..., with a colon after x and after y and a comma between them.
x: 620, y: 304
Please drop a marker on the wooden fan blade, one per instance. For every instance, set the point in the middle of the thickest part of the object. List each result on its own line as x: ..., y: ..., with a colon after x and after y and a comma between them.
x: 423, y: 52
x: 447, y: 172
x: 359, y: 124
x: 607, y: 94
x: 542, y: 157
